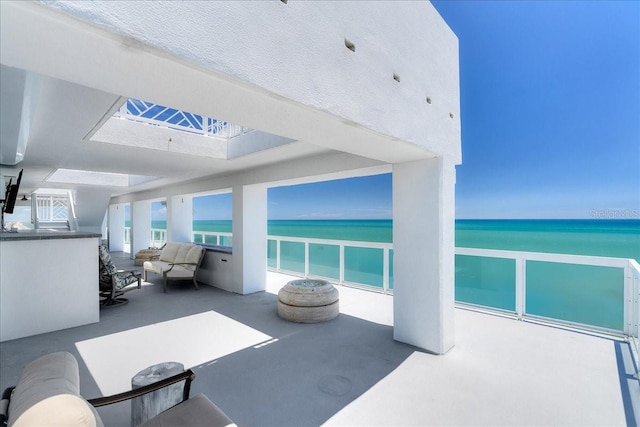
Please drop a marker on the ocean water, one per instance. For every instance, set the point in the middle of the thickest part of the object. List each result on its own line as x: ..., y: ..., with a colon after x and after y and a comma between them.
x: 575, y: 293
x: 609, y: 238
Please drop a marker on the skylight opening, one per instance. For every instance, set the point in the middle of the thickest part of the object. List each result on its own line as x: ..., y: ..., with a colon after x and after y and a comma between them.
x: 160, y: 115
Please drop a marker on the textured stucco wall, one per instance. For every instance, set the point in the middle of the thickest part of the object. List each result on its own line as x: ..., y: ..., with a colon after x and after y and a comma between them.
x: 297, y: 51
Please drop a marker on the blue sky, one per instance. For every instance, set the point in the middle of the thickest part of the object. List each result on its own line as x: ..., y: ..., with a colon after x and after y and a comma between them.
x: 368, y: 197
x: 550, y: 95
x: 550, y: 98
x: 214, y: 206
x: 351, y: 198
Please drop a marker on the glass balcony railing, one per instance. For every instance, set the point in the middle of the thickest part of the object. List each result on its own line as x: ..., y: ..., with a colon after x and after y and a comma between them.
x: 587, y: 292
x: 360, y: 264
x: 212, y: 238
x: 157, y: 237
x: 594, y: 293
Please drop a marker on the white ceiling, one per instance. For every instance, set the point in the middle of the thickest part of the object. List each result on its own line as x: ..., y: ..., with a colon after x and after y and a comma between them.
x: 67, y: 114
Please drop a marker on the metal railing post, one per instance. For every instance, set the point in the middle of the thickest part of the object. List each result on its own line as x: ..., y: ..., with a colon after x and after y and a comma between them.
x: 278, y: 255
x: 634, y: 307
x: 627, y: 307
x: 631, y: 308
x: 306, y: 259
x: 385, y: 270
x: 341, y: 264
x: 521, y: 279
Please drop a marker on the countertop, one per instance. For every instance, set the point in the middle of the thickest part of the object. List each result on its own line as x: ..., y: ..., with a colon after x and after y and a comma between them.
x: 46, y: 234
x: 216, y: 248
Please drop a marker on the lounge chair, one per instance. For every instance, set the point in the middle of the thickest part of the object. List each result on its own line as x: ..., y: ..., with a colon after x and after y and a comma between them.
x: 113, y: 283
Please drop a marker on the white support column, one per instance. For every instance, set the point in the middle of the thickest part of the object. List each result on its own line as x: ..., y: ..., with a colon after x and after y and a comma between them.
x: 179, y: 219
x: 140, y: 225
x: 423, y: 244
x: 116, y: 228
x: 249, y: 238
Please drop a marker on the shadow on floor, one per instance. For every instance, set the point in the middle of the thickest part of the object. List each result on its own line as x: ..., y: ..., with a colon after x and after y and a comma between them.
x: 629, y: 382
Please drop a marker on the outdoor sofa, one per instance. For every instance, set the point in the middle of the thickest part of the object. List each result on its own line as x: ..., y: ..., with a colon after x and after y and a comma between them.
x: 177, y: 261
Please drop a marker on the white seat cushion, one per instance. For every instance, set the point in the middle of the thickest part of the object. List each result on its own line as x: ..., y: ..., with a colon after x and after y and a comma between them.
x: 197, y: 411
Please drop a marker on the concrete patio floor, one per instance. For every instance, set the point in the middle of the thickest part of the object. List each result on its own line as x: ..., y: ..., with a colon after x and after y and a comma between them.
x: 264, y: 371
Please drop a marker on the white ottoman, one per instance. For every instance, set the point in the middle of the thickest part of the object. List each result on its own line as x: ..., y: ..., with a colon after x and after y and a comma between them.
x: 308, y: 301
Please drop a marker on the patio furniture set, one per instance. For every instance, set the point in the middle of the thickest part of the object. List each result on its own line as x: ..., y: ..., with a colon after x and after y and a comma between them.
x: 48, y: 390
x: 175, y: 261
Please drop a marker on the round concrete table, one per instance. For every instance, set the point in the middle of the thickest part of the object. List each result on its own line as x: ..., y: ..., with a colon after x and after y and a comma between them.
x: 308, y: 301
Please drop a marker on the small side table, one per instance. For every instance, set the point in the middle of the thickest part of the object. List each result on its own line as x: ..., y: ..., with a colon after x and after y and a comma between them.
x: 148, y: 406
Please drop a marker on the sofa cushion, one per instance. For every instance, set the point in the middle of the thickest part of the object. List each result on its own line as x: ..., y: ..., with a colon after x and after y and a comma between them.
x: 173, y: 271
x: 157, y: 266
x: 48, y: 394
x: 194, y: 254
x: 180, y: 272
x: 181, y: 256
x: 169, y: 252
x: 197, y: 411
x: 189, y: 253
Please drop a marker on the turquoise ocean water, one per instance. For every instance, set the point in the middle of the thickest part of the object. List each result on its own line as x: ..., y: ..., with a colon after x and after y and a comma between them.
x: 583, y: 294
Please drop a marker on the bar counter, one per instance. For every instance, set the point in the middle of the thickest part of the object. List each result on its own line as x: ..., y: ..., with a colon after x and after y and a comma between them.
x: 48, y: 281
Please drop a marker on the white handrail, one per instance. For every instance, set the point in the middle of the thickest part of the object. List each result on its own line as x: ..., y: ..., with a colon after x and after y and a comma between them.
x: 546, y: 257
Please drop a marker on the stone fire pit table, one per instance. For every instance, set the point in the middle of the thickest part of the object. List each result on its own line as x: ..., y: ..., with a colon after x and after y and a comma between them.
x: 308, y: 301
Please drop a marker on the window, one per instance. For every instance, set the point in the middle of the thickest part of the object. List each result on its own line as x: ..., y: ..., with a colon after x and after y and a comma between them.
x: 212, y: 219
x: 52, y: 208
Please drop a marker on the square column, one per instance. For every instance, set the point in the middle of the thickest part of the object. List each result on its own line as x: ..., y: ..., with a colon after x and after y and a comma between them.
x: 423, y: 244
x: 116, y: 220
x: 249, y: 238
x: 179, y: 219
x: 140, y: 225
